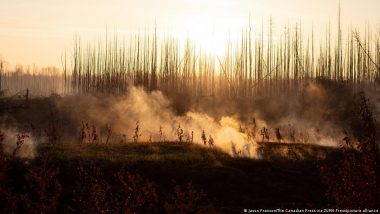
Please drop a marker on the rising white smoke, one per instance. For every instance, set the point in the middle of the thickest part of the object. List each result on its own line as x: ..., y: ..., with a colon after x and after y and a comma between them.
x: 311, y: 120
x: 157, y: 121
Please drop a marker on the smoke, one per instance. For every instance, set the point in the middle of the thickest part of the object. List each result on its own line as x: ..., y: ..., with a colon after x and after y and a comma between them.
x: 17, y: 144
x: 152, y: 113
x: 323, y: 113
x: 225, y: 133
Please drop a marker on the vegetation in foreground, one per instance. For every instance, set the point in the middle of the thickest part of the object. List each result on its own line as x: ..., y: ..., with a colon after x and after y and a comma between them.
x: 183, y: 177
x: 160, y: 177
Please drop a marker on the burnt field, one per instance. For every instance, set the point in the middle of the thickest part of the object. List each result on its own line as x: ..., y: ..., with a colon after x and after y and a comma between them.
x: 137, y: 154
x: 164, y: 177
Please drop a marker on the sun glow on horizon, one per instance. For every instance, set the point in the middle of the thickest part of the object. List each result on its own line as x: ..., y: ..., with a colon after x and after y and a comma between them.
x: 210, y: 32
x: 39, y: 31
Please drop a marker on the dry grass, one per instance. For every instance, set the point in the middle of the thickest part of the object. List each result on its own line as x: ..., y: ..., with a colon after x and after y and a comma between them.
x: 355, y: 181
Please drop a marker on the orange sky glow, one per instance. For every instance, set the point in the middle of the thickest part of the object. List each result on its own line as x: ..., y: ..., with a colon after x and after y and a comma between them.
x: 39, y: 31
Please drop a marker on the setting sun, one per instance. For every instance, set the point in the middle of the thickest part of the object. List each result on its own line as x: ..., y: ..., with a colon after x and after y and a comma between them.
x: 211, y: 32
x: 38, y: 32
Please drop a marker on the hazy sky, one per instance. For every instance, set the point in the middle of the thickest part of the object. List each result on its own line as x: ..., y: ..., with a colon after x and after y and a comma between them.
x: 37, y: 31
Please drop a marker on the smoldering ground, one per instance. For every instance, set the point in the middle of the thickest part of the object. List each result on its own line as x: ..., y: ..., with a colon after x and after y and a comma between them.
x: 144, y: 117
x: 321, y: 113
